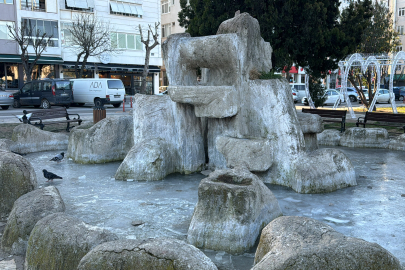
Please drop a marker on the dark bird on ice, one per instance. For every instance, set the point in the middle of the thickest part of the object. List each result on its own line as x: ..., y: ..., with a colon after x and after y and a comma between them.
x: 50, y: 176
x: 58, y: 158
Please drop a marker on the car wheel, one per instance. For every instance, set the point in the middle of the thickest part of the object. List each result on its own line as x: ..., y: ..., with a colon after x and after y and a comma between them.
x: 5, y: 107
x: 401, y: 98
x: 117, y: 105
x: 45, y: 104
x: 16, y: 103
x: 98, y: 103
x: 352, y: 98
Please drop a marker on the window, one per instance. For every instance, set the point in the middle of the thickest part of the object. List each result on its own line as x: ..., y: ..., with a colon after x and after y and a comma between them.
x: 166, y: 30
x: 85, y: 5
x: 399, y: 48
x: 65, y: 34
x: 10, y: 2
x: 401, y: 11
x: 126, y: 41
x: 48, y: 27
x: 126, y: 9
x: 400, y: 30
x: 165, y: 6
x: 4, y: 32
x: 34, y: 5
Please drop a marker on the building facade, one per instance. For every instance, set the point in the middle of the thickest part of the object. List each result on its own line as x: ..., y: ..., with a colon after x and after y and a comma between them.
x: 53, y: 17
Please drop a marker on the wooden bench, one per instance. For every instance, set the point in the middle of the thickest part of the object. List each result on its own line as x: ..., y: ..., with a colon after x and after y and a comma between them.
x: 46, y: 114
x: 383, y: 119
x: 328, y: 114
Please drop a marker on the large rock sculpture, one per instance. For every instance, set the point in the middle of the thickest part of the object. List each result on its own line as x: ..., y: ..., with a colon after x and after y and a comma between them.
x: 27, y: 210
x: 156, y: 254
x: 108, y: 140
x: 304, y: 243
x: 30, y: 139
x: 226, y: 120
x: 311, y: 125
x: 233, y: 206
x: 365, y: 137
x: 59, y: 241
x: 17, y: 177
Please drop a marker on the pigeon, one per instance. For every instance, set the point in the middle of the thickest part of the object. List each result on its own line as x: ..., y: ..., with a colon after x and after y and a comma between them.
x: 50, y: 176
x: 58, y: 158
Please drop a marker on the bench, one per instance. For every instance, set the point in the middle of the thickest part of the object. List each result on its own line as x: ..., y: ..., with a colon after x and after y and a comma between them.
x: 328, y: 114
x: 386, y: 118
x: 36, y: 118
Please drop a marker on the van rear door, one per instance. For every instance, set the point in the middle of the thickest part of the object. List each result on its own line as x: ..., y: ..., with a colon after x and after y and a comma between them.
x: 63, y: 92
x: 116, y: 90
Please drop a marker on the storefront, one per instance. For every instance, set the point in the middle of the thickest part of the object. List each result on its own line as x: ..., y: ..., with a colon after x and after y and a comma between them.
x: 12, y: 72
x: 130, y: 75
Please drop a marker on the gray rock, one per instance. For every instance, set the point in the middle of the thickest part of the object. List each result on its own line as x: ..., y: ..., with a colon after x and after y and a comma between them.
x: 30, y: 139
x: 156, y: 254
x: 329, y: 137
x: 304, y: 243
x: 59, y: 241
x: 17, y: 177
x: 254, y: 154
x: 108, y: 140
x: 310, y: 123
x: 168, y: 138
x: 397, y: 143
x: 6, y: 144
x: 365, y: 137
x: 233, y: 206
x: 27, y: 210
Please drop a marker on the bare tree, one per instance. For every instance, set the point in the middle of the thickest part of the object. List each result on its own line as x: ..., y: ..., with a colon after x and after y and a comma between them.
x: 27, y: 36
x: 148, y: 47
x: 90, y: 36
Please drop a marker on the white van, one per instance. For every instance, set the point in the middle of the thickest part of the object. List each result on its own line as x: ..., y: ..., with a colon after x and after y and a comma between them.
x: 98, y: 91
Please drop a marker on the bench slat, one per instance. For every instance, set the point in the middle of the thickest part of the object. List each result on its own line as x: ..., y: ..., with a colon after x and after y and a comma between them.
x: 54, y: 113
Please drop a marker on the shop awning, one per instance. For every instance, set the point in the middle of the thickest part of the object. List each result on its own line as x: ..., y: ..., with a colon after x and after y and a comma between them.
x: 13, y: 58
x: 292, y: 70
x: 113, y: 67
x: 398, y: 77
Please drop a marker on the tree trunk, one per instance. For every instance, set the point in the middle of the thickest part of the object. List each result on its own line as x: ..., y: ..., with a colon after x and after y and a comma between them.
x: 77, y: 73
x: 145, y: 73
x: 86, y: 56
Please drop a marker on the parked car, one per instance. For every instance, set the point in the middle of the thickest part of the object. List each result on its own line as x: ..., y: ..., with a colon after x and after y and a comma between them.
x: 332, y: 96
x: 351, y: 91
x: 44, y: 93
x: 6, y: 99
x: 399, y: 93
x: 383, y: 95
x: 98, y: 91
x: 295, y: 95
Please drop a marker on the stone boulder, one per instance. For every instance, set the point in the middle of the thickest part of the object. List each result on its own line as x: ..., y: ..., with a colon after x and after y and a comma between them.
x: 6, y: 144
x: 254, y: 154
x: 108, y: 140
x: 27, y: 210
x: 59, y: 241
x: 153, y: 254
x: 311, y: 124
x: 336, y: 172
x: 17, y: 177
x: 168, y: 138
x: 397, y: 143
x: 365, y: 138
x: 233, y: 206
x: 304, y: 243
x: 330, y: 137
x: 30, y: 139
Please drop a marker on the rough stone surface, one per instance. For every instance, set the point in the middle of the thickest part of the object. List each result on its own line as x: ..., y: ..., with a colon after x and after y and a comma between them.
x: 168, y: 138
x: 304, y: 243
x: 310, y: 123
x: 311, y: 142
x: 108, y: 140
x: 150, y: 254
x: 5, y: 144
x: 30, y: 139
x: 59, y: 241
x: 233, y: 206
x: 397, y: 143
x: 27, y: 210
x: 17, y: 177
x: 365, y: 137
x: 329, y: 137
x: 208, y: 101
x: 254, y: 154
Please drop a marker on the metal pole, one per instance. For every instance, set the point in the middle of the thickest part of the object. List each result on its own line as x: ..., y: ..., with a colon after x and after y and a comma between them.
x: 131, y: 101
x: 123, y: 106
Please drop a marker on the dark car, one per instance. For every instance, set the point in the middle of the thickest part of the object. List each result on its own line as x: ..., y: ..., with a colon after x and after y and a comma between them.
x: 399, y: 93
x: 44, y: 93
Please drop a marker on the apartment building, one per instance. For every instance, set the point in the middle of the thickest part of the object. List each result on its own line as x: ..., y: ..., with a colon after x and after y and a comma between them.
x: 53, y: 17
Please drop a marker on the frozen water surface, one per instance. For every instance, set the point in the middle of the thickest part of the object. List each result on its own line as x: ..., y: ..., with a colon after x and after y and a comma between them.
x: 374, y: 210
